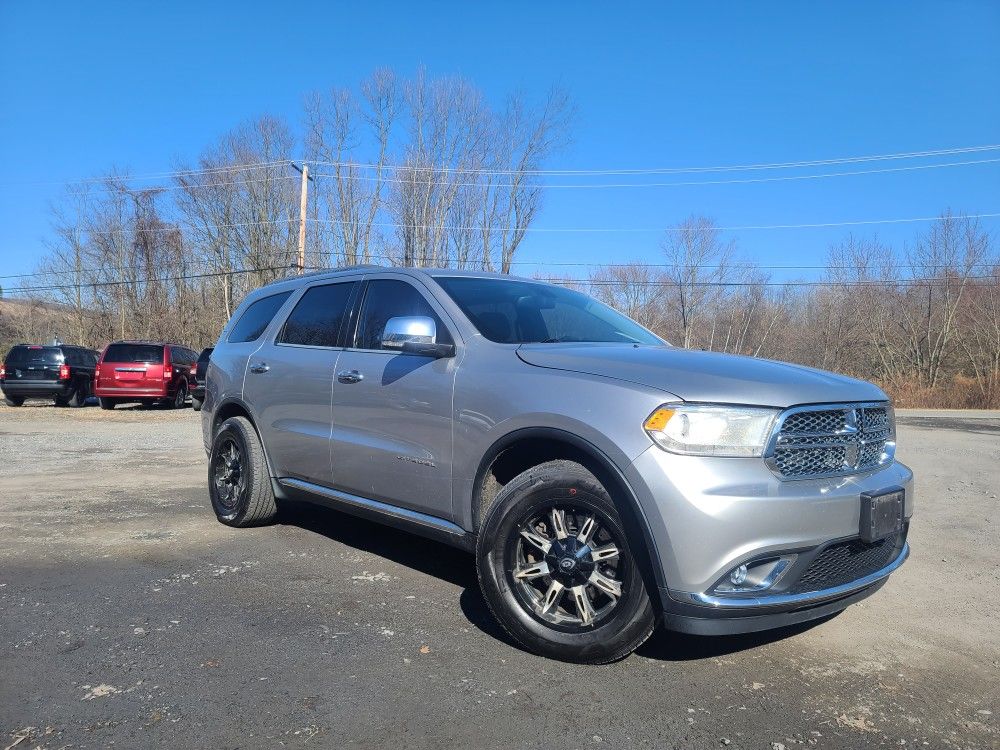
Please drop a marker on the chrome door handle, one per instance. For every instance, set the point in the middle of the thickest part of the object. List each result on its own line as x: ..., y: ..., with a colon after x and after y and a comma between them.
x: 260, y: 368
x: 350, y: 376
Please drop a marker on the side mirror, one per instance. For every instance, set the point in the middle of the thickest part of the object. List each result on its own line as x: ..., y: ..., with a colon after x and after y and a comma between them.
x: 416, y: 334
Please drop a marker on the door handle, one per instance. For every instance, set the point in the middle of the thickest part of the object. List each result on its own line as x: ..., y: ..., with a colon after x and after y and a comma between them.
x: 260, y: 368
x: 350, y: 376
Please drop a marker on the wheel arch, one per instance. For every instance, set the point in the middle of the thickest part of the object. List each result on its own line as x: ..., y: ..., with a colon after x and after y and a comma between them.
x: 521, y: 449
x: 236, y: 407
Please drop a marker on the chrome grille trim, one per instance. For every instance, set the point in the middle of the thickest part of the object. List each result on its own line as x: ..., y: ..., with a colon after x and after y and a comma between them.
x: 832, y: 440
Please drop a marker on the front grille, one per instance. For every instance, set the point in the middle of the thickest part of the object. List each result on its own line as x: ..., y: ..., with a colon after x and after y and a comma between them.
x: 845, y: 562
x: 833, y: 441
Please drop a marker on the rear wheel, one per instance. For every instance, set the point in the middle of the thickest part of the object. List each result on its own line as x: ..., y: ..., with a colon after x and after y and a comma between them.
x: 180, y: 398
x: 108, y: 403
x: 79, y: 395
x: 196, y: 403
x: 239, y: 484
x: 555, y: 567
x: 13, y: 400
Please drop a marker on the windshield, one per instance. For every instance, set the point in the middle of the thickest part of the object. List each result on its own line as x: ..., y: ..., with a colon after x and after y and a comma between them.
x: 134, y: 353
x: 523, y: 312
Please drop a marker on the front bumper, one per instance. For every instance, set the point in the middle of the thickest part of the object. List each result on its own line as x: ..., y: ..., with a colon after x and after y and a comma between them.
x: 708, y: 515
x: 703, y: 614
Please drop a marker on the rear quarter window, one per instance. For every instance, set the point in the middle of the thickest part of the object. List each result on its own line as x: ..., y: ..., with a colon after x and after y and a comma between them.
x: 256, y: 318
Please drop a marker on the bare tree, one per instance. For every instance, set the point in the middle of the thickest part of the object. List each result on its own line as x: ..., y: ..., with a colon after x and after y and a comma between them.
x: 698, y: 261
x: 635, y: 289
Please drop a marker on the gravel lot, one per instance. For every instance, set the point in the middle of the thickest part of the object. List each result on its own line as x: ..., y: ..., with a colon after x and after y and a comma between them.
x: 129, y: 617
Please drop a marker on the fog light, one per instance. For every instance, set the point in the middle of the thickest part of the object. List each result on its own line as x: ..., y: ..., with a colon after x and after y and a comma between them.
x: 738, y: 576
x: 756, y: 575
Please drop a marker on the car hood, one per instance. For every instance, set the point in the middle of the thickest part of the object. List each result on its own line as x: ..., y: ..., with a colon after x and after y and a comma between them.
x: 703, y: 376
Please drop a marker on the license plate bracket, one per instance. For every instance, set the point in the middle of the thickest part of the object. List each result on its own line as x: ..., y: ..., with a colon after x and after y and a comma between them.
x: 882, y: 513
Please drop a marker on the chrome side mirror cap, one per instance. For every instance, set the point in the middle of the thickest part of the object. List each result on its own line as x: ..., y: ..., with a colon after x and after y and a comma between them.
x: 415, y: 334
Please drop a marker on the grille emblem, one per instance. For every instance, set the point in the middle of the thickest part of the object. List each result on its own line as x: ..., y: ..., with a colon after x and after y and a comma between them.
x: 851, y: 452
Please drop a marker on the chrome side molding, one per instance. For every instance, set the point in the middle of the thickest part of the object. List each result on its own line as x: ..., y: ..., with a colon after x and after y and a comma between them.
x: 392, y: 511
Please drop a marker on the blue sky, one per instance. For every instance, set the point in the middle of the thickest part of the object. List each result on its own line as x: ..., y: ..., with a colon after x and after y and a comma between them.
x: 88, y: 86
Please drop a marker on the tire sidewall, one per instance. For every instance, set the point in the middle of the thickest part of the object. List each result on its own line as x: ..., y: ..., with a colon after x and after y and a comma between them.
x: 232, y: 429
x: 628, y: 624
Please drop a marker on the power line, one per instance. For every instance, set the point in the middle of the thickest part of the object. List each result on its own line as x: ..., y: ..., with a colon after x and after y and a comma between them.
x: 154, y: 280
x: 155, y: 175
x: 904, y: 283
x: 688, y: 183
x: 560, y: 264
x: 199, y: 186
x: 627, y: 230
x: 276, y: 163
x: 660, y: 170
x: 553, y: 230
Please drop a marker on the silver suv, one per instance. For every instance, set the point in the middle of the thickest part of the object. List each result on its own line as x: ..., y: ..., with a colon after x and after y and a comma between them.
x: 604, y: 480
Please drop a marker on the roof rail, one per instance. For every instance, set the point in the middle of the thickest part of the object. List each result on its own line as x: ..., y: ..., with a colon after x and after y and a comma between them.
x: 323, y: 271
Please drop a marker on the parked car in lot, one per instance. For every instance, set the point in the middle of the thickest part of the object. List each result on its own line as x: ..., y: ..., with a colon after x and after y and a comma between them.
x: 198, y: 373
x: 62, y: 373
x: 147, y: 372
x: 604, y: 479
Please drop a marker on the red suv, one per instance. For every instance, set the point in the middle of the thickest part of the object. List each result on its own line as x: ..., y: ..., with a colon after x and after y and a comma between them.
x: 144, y: 371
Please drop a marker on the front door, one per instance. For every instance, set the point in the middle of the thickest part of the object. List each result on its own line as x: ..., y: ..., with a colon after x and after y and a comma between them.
x: 289, y: 381
x: 392, y: 411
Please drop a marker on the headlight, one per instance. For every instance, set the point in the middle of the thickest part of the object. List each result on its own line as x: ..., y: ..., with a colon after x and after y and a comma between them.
x: 710, y: 430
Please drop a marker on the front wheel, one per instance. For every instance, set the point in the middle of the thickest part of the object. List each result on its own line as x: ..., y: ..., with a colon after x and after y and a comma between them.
x: 196, y: 403
x: 556, y: 569
x: 107, y: 403
x: 239, y: 483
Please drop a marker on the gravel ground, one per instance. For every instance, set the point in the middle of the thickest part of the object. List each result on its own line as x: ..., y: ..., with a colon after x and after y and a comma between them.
x: 130, y: 618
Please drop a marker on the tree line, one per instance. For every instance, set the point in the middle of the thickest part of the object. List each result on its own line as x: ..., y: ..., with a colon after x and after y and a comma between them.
x: 425, y: 171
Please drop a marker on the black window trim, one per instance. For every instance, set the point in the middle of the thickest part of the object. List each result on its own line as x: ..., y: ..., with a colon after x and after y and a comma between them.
x: 422, y: 290
x: 344, y: 324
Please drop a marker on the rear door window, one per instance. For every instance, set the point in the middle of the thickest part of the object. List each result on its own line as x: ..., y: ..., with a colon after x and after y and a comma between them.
x: 134, y: 353
x: 256, y: 318
x: 319, y: 316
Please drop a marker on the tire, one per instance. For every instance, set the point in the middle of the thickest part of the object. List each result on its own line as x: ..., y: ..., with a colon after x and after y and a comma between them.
x: 13, y: 400
x: 241, y: 494
x: 196, y: 403
x: 180, y: 398
x: 618, y: 624
x: 108, y: 403
x: 76, y: 399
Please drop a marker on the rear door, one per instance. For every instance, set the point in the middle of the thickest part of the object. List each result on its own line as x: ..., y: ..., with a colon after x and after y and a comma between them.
x: 289, y: 381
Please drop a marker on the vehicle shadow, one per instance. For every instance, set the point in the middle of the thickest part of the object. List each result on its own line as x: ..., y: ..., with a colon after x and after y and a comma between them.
x: 457, y: 567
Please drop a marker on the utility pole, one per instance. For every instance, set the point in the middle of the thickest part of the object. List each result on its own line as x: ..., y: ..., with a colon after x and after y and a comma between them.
x: 303, y: 207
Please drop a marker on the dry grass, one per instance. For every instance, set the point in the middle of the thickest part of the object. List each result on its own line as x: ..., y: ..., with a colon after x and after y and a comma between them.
x: 960, y: 392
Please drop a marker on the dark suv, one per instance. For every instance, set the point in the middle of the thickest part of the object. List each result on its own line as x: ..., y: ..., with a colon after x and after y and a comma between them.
x: 198, y: 372
x: 145, y: 371
x: 62, y: 373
